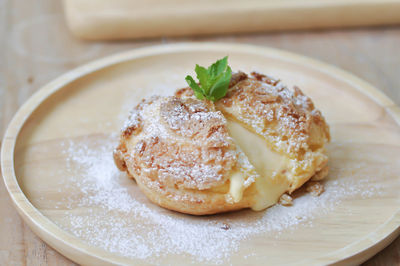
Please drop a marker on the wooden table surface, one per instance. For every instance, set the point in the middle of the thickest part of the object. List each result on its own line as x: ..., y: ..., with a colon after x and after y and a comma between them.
x: 36, y: 47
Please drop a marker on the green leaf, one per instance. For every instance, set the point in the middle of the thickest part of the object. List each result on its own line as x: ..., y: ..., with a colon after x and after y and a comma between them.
x: 214, y: 80
x: 218, y: 67
x: 220, y: 87
x: 202, y: 76
x: 195, y: 87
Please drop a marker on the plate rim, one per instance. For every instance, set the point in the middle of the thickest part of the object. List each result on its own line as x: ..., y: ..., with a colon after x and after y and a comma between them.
x: 79, y: 251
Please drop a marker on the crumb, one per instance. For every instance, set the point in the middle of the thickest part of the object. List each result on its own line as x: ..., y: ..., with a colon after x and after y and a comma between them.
x: 225, y: 226
x: 30, y: 79
x: 315, y: 188
x: 286, y: 200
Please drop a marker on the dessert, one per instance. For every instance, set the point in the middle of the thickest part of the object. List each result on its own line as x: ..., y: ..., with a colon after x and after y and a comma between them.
x: 239, y: 141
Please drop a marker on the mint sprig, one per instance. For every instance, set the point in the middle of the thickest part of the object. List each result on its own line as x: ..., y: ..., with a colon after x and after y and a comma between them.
x: 214, y: 80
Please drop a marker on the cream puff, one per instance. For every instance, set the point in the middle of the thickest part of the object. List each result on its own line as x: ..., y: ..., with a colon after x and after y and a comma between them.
x: 246, y: 150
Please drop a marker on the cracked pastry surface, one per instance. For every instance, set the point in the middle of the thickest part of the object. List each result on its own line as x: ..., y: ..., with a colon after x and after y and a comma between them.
x: 258, y: 142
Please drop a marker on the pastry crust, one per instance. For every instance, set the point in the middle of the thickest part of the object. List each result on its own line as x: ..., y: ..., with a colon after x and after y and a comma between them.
x: 182, y: 156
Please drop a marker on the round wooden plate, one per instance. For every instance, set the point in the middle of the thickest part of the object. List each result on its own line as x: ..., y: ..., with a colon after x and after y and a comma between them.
x: 57, y: 166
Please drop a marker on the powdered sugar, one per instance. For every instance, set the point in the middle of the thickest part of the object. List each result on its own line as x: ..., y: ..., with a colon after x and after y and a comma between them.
x: 121, y: 220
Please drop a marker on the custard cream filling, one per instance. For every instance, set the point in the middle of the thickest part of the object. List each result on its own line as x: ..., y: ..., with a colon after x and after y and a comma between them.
x: 236, y: 186
x: 273, y: 168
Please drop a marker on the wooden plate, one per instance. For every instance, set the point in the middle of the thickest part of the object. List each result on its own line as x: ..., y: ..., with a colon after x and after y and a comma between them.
x: 57, y: 166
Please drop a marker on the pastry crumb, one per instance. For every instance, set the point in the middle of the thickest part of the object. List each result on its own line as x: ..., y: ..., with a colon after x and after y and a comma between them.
x: 315, y: 188
x: 286, y: 200
x: 225, y: 226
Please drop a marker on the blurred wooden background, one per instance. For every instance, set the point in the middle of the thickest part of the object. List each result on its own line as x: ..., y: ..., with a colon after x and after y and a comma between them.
x: 35, y: 47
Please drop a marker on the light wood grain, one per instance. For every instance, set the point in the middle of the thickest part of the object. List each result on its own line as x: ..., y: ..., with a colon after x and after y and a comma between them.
x: 365, y: 132
x: 121, y: 19
x: 372, y: 54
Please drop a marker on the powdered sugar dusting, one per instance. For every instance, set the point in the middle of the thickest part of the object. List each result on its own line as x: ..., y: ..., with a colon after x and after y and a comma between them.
x: 121, y: 220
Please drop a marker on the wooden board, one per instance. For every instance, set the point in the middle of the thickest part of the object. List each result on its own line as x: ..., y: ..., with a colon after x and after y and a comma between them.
x: 52, y: 141
x: 123, y: 19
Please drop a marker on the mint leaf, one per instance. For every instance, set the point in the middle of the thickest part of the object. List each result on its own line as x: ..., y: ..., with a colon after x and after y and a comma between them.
x: 198, y: 92
x: 202, y: 76
x: 220, y: 87
x: 214, y: 80
x: 218, y: 67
